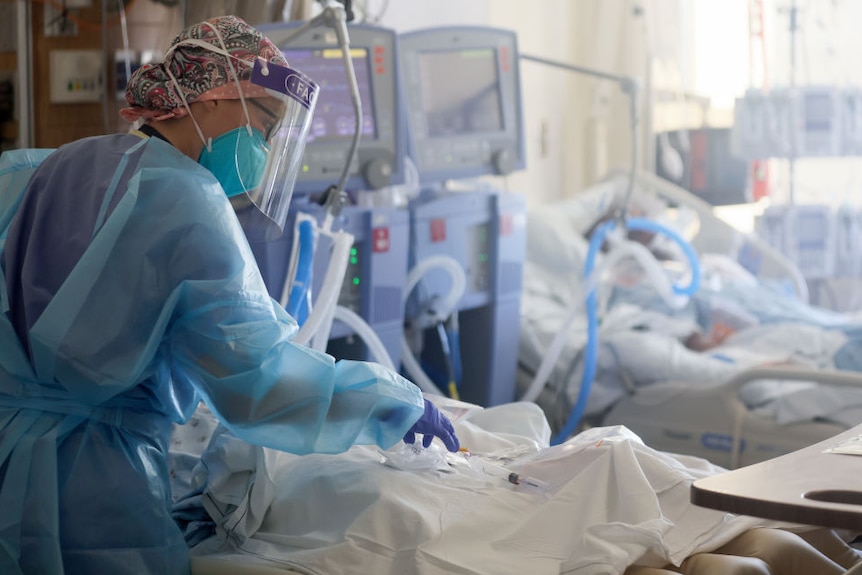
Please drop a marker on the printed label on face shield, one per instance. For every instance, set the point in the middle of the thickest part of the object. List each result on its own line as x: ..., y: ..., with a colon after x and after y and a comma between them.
x: 285, y: 81
x: 300, y: 88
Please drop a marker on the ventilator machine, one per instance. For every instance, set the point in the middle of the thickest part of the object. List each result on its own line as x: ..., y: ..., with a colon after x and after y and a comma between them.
x: 440, y: 107
x: 369, y: 299
x: 463, y: 99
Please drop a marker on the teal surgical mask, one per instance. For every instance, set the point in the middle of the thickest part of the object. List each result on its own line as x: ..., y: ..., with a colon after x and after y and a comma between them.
x: 237, y: 159
x: 256, y: 170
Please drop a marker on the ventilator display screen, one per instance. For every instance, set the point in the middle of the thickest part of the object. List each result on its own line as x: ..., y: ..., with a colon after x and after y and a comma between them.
x: 334, y: 117
x: 460, y: 92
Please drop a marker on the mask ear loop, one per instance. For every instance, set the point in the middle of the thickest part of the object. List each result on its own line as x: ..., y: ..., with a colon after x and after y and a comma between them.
x: 228, y: 57
x: 235, y: 76
x: 207, y: 142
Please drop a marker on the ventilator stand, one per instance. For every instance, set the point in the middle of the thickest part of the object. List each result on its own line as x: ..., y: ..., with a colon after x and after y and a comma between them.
x: 630, y: 87
x: 793, y: 12
x: 317, y: 327
x: 348, y: 8
x: 335, y: 15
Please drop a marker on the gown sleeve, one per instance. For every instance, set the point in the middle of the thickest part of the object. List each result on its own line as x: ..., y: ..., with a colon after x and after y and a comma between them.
x: 169, y: 291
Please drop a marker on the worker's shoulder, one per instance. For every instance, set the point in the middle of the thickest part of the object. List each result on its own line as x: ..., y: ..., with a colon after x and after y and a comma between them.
x: 90, y: 153
x: 154, y: 158
x: 177, y: 183
x: 91, y: 144
x: 162, y: 156
x: 23, y: 158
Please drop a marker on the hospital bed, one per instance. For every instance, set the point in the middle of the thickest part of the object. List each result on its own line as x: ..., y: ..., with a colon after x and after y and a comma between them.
x: 723, y: 404
x: 400, y: 511
x: 714, y: 422
x: 382, y: 515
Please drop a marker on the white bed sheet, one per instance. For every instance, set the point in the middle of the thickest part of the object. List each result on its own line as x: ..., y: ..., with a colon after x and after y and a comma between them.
x: 612, y: 501
x: 237, y: 564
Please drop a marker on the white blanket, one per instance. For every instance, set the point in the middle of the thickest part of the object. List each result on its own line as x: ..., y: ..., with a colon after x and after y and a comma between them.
x: 604, y: 501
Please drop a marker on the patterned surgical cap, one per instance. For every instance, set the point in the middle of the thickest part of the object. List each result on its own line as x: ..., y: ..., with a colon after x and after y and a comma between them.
x: 202, y: 74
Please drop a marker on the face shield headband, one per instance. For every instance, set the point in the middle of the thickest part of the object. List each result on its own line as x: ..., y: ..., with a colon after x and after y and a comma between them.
x: 262, y: 198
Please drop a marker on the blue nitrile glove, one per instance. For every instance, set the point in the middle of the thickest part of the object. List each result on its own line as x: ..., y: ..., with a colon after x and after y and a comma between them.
x: 433, y: 423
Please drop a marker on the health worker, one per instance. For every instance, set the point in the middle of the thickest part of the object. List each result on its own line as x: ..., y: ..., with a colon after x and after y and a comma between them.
x: 129, y: 293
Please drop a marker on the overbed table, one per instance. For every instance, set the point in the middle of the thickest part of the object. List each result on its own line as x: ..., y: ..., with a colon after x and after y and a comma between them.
x: 808, y: 486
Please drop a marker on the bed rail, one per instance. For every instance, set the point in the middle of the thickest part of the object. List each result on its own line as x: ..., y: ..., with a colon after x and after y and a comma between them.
x: 786, y: 372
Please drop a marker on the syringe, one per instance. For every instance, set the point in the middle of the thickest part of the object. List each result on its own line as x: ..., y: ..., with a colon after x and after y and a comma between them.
x: 527, y: 481
x: 515, y: 478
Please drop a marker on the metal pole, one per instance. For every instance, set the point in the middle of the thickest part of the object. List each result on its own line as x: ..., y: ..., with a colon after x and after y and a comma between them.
x: 24, y: 85
x: 794, y: 11
x: 630, y: 87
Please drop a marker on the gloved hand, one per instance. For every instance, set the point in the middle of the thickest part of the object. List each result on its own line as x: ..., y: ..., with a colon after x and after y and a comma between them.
x: 433, y: 423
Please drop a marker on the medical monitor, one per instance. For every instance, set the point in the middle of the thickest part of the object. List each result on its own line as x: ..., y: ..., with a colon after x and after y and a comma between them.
x: 374, y: 53
x: 463, y: 96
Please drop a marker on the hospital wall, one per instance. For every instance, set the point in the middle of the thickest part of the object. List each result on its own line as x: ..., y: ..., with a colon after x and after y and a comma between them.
x: 691, y: 58
x: 577, y: 127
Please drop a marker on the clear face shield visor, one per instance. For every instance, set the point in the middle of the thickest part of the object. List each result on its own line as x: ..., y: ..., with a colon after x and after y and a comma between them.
x: 272, y: 153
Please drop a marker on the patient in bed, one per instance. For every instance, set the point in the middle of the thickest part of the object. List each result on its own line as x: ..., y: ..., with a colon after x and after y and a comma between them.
x: 600, y: 503
x: 768, y: 551
x: 735, y: 322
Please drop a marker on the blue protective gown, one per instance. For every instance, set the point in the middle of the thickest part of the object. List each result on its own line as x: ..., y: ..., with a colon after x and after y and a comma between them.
x: 128, y: 293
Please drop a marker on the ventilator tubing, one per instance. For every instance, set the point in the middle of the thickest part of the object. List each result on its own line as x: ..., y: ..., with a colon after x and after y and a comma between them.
x: 445, y: 307
x: 315, y: 330
x: 591, y: 352
x: 296, y: 294
x: 297, y: 291
x: 620, y: 251
x: 361, y: 328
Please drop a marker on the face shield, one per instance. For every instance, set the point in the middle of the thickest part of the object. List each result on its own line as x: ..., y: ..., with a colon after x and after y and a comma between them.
x: 269, y: 150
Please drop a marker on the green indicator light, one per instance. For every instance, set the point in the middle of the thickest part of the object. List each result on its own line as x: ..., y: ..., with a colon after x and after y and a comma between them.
x: 483, y: 257
x: 353, y: 260
x: 356, y: 281
x: 304, y: 167
x: 353, y: 251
